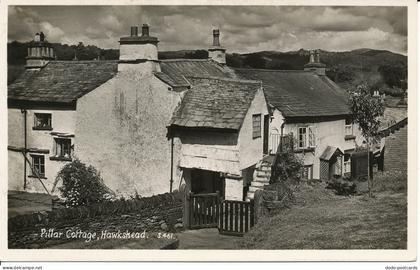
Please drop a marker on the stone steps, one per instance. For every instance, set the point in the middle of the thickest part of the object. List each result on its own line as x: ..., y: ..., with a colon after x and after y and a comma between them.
x: 261, y: 178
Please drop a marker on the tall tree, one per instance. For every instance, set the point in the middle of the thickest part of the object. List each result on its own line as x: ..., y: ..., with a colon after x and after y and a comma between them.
x: 367, y: 110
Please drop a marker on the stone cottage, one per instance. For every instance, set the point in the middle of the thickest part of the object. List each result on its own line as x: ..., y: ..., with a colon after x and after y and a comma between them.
x: 150, y: 125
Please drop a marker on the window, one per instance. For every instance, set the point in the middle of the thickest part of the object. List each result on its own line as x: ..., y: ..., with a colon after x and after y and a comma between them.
x: 347, y: 163
x: 306, y: 137
x: 307, y: 172
x: 338, y: 166
x: 42, y: 121
x: 256, y: 126
x: 62, y: 148
x: 38, y: 165
x: 348, y: 127
x: 302, y: 137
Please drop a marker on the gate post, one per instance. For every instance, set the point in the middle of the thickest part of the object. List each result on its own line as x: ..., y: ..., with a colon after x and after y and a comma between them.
x: 187, y: 209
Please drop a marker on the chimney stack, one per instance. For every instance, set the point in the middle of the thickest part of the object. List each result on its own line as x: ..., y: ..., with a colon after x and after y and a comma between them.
x: 134, y: 31
x: 217, y: 52
x: 145, y: 30
x: 216, y: 41
x: 315, y: 64
x: 40, y: 52
x: 139, y: 53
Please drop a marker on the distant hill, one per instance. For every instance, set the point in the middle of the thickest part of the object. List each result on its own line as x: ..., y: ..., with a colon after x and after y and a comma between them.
x: 382, y: 69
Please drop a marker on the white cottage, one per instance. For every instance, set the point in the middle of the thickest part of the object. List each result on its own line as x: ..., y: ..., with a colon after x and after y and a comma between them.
x: 308, y: 105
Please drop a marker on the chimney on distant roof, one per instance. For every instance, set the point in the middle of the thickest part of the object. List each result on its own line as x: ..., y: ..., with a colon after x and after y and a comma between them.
x: 134, y: 31
x: 315, y: 64
x: 145, y: 30
x: 139, y: 53
x: 40, y: 52
x: 216, y: 41
x: 217, y: 52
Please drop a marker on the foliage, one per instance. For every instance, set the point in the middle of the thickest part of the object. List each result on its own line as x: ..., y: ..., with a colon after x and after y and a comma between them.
x: 366, y: 110
x: 393, y: 181
x: 254, y: 61
x: 342, y: 186
x: 340, y: 74
x: 82, y: 185
x: 394, y: 75
x: 197, y: 54
x: 287, y: 166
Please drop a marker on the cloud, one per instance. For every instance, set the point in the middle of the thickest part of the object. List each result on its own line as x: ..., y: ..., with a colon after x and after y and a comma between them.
x: 243, y: 28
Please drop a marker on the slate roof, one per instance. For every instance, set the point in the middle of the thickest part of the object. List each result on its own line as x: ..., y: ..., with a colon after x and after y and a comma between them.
x: 174, y: 71
x: 215, y: 103
x: 299, y: 93
x: 61, y: 81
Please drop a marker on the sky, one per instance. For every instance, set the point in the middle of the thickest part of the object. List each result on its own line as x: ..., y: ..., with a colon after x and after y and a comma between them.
x: 243, y: 28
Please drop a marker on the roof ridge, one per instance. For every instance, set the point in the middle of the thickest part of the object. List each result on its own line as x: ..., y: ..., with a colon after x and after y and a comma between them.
x: 225, y: 79
x: 83, y: 61
x: 275, y: 70
x: 185, y: 59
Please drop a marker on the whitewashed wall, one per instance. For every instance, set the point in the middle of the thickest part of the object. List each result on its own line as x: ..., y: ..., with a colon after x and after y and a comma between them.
x: 251, y: 150
x: 121, y: 131
x: 63, y: 121
x: 328, y: 133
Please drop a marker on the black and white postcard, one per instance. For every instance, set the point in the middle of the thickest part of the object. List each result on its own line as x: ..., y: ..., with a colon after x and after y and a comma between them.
x: 155, y: 131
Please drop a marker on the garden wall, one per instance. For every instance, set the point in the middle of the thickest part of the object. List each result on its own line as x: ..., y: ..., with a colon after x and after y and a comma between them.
x: 159, y: 212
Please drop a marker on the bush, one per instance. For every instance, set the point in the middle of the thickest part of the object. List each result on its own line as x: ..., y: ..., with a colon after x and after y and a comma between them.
x: 82, y: 185
x: 394, y: 181
x: 286, y: 173
x: 342, y: 186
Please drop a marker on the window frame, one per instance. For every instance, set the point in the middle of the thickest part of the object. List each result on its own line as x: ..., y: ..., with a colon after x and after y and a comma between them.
x: 256, y: 130
x: 348, y: 125
x: 309, y: 140
x: 60, y: 148
x: 346, y: 163
x: 309, y: 172
x: 38, y: 127
x: 39, y: 167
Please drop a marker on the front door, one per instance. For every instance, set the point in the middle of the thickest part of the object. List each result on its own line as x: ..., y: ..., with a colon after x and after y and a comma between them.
x: 266, y: 128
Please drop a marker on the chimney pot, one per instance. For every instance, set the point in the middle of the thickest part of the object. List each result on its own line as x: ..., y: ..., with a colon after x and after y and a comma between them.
x: 134, y: 31
x: 312, y: 57
x: 216, y: 35
x: 145, y: 30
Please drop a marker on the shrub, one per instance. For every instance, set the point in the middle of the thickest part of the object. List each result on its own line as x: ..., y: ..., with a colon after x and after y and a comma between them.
x: 286, y: 173
x: 342, y: 186
x: 82, y: 185
x: 394, y: 181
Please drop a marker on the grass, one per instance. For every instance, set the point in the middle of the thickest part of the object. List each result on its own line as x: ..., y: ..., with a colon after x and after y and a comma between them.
x: 321, y: 220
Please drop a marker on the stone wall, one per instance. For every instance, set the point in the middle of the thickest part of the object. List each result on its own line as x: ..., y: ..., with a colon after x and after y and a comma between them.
x: 395, y: 157
x: 157, y: 213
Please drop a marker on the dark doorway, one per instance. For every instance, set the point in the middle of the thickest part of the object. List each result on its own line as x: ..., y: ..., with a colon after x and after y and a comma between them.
x: 203, y: 181
x: 266, y: 128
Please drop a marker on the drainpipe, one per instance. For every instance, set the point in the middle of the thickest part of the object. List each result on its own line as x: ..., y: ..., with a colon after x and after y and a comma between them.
x: 172, y: 165
x: 25, y: 113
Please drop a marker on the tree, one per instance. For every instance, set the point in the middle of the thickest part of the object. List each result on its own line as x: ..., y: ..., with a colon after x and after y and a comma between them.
x: 82, y: 185
x: 366, y: 110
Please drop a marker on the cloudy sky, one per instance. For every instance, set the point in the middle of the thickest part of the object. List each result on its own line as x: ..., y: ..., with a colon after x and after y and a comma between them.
x: 243, y: 28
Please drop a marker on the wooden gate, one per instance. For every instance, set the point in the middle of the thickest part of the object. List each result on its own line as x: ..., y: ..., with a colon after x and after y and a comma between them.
x: 236, y: 217
x: 204, y: 210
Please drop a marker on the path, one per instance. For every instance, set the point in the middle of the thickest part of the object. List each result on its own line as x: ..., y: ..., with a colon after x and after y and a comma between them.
x: 20, y: 203
x: 205, y: 239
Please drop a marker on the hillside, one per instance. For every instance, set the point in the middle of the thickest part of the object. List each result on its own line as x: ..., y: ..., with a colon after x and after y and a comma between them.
x: 382, y: 69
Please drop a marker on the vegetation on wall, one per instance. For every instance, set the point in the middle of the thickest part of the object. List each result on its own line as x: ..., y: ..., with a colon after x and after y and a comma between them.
x: 82, y: 185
